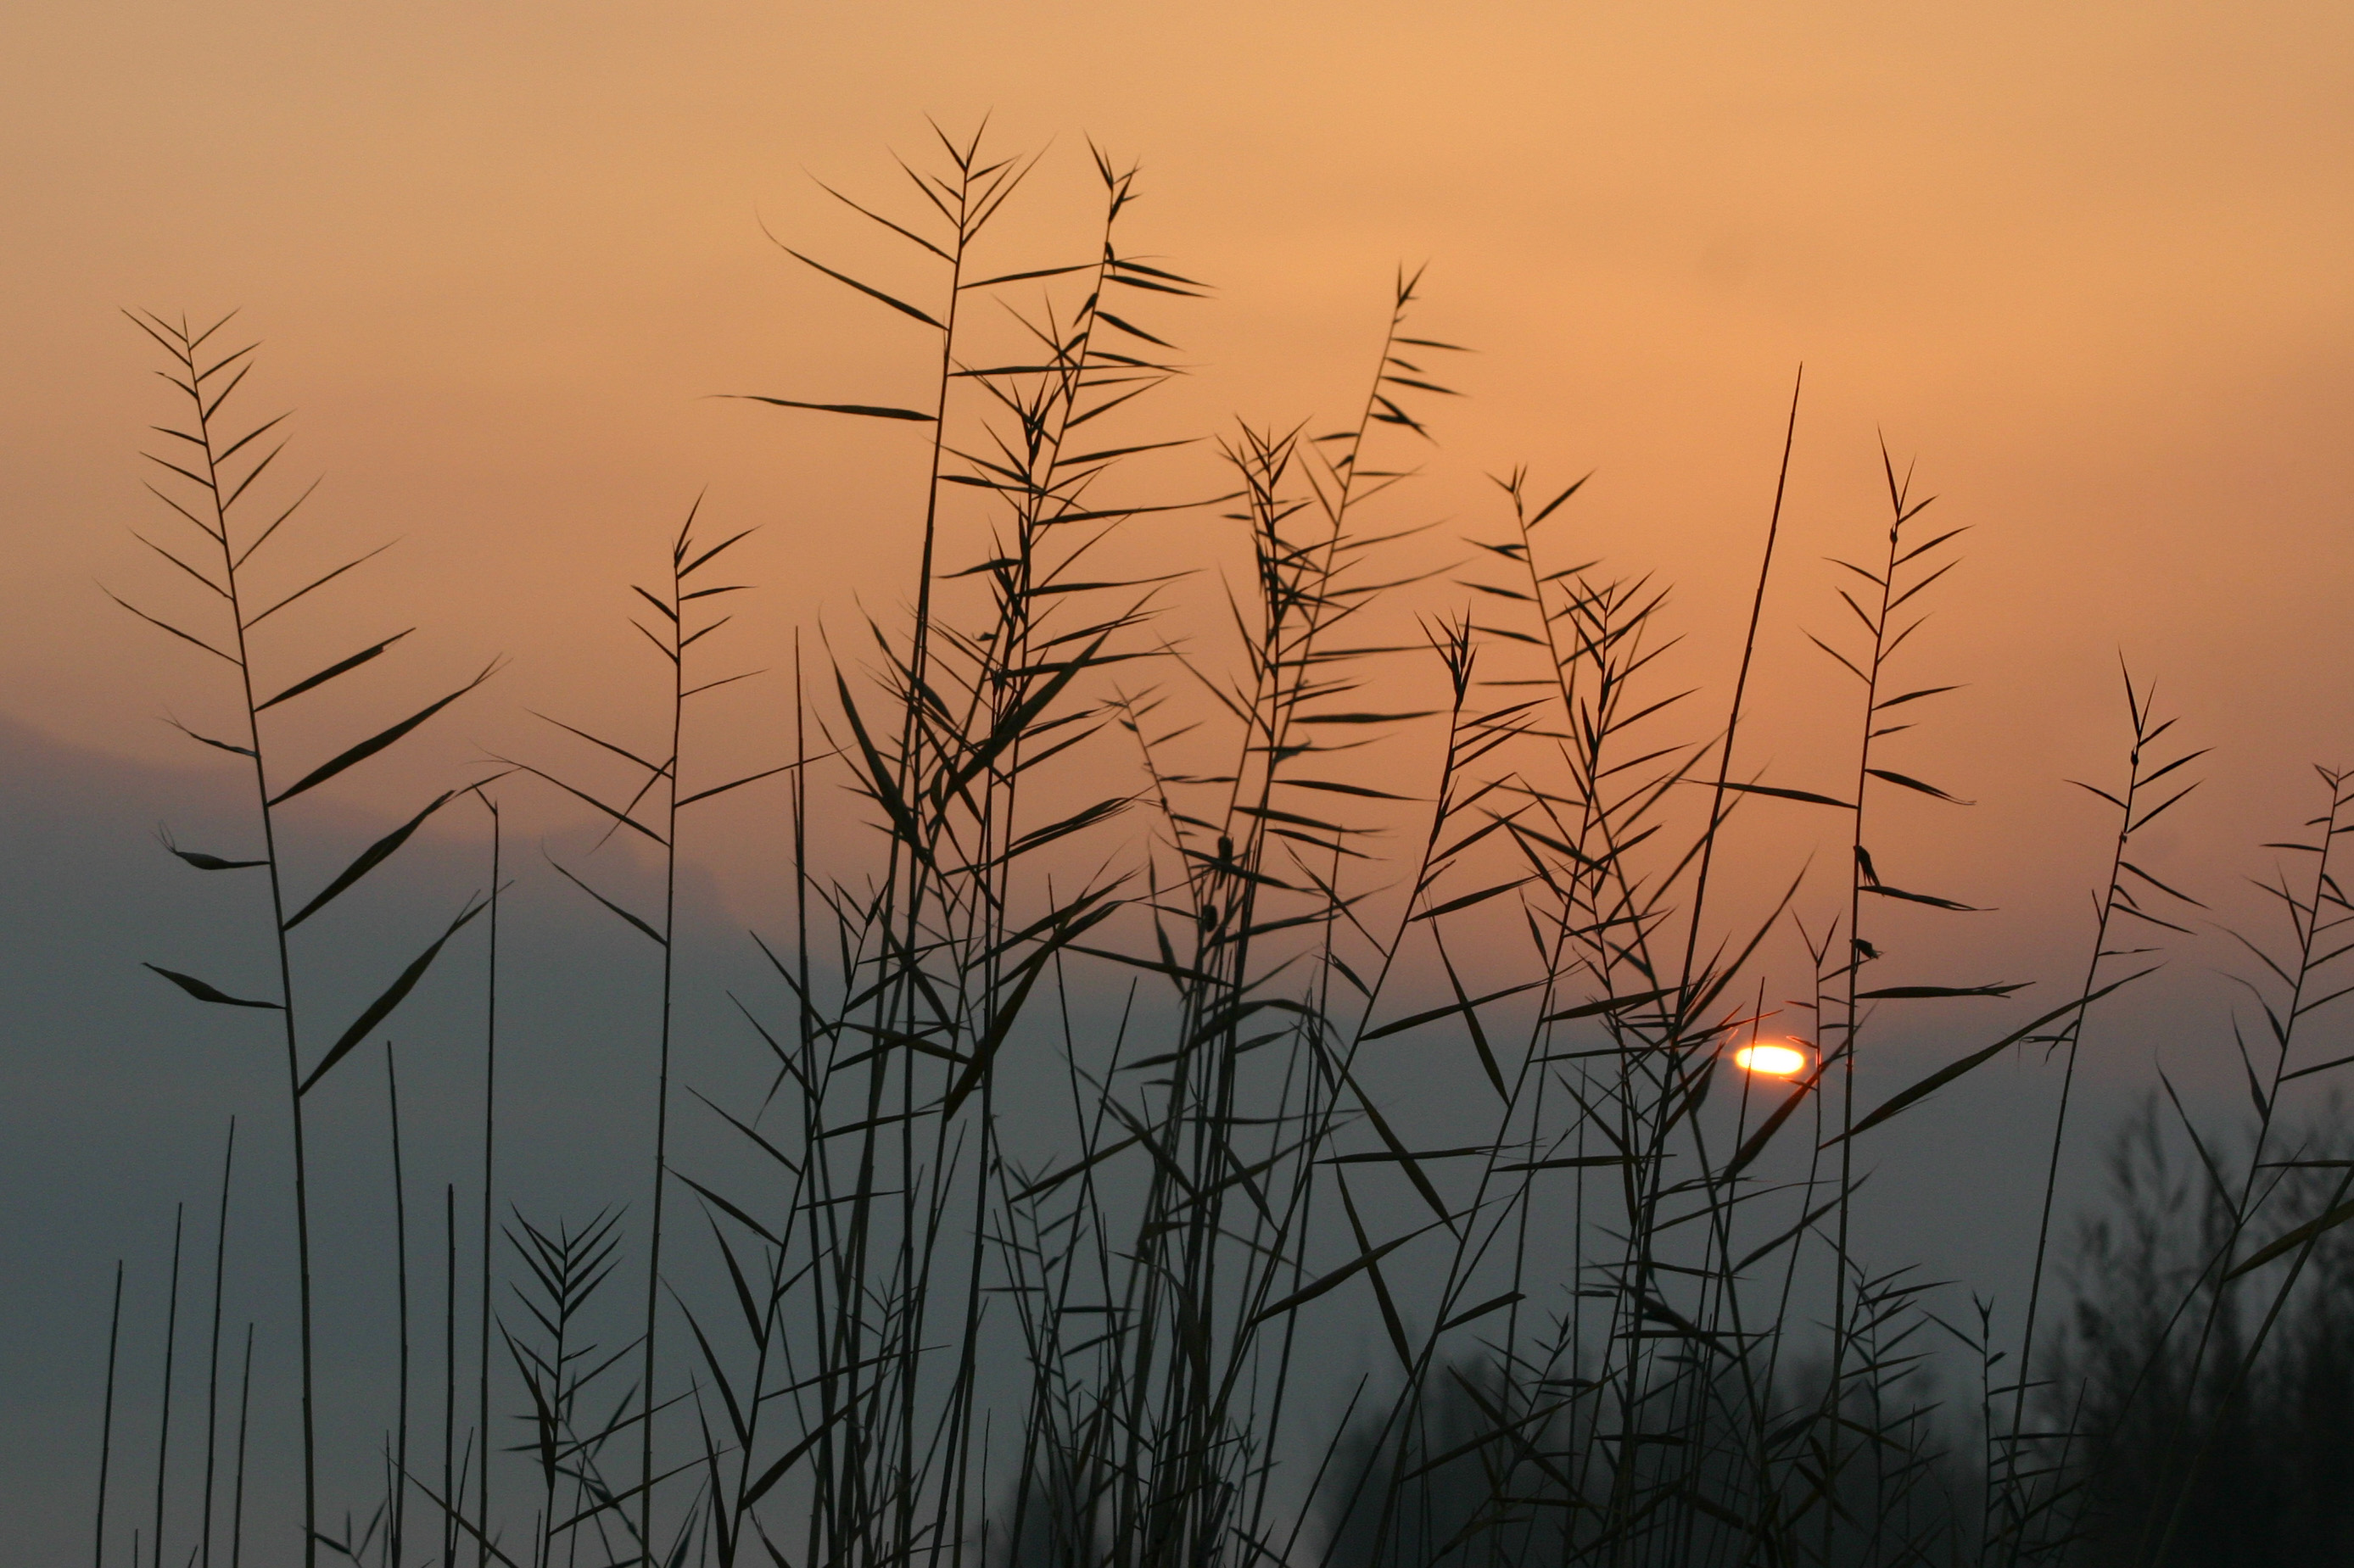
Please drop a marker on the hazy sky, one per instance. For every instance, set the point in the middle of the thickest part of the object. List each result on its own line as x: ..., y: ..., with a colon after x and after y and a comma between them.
x: 2088, y: 263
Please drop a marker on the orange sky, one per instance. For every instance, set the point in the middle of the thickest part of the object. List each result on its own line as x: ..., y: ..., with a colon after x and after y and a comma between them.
x: 2090, y: 264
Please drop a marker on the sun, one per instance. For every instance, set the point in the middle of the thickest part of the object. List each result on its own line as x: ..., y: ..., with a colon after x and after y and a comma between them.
x: 1771, y: 1061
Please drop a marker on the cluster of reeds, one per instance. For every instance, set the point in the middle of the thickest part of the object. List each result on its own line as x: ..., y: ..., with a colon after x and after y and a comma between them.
x: 1084, y: 1131
x: 2218, y: 1423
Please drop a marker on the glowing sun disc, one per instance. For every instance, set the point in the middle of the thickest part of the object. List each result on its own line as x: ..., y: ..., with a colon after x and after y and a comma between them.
x: 1771, y: 1061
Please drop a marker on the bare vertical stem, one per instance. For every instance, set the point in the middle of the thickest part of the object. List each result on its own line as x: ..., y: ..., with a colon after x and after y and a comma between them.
x: 2128, y: 804
x: 396, y: 1526
x: 183, y: 344
x: 1740, y: 690
x: 164, y: 1422
x: 106, y: 1422
x: 237, y: 1496
x: 212, y: 1355
x: 448, y: 1375
x: 490, y: 1129
x: 662, y: 1071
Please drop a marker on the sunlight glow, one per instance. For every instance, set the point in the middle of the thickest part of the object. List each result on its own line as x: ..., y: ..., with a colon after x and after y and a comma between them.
x: 1775, y: 1061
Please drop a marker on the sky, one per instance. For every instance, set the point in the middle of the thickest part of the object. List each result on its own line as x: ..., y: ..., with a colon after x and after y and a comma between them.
x: 2084, y: 265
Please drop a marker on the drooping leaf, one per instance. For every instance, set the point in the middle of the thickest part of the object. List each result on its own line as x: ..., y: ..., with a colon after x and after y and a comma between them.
x: 1914, y: 696
x: 375, y: 742
x: 376, y: 1012
x: 1478, y: 1033
x: 1056, y: 1178
x: 367, y: 860
x: 685, y: 801
x: 1756, y: 1143
x: 1909, y: 782
x: 870, y: 293
x: 2328, y: 1220
x: 340, y: 667
x: 651, y: 934
x: 1434, y: 1015
x: 776, y: 1472
x: 167, y: 625
x: 1607, y: 1005
x: 1395, y: 1324
x: 1808, y: 796
x: 204, y: 861
x: 204, y: 993
x: 1339, y: 1276
x: 866, y: 411
x: 621, y: 818
x: 1073, y: 921
x: 1466, y: 900
x: 1952, y: 1070
x: 1338, y: 788
x: 733, y: 1212
x: 230, y: 746
x: 1133, y: 329
x: 2170, y: 892
x: 1885, y: 891
x: 314, y: 583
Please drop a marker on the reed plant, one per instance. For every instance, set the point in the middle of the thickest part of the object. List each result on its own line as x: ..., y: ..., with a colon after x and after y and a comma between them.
x: 1082, y: 1139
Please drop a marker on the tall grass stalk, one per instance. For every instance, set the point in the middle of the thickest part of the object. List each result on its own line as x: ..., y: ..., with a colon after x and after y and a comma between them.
x: 237, y: 1492
x: 490, y: 1166
x: 2317, y: 916
x: 2020, y: 1500
x: 163, y: 1414
x: 212, y: 1347
x: 106, y: 1422
x: 220, y: 470
x: 452, y: 1471
x: 397, y: 1523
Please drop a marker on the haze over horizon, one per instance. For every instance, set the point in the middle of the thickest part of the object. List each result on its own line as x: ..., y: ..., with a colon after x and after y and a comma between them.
x: 2082, y: 273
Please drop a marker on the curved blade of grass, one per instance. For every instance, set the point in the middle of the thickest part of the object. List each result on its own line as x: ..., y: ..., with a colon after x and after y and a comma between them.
x: 867, y: 411
x: 655, y: 937
x: 1909, y: 782
x: 204, y: 993
x: 1808, y: 796
x: 230, y: 746
x: 1947, y: 1074
x: 776, y: 1472
x: 376, y: 742
x: 984, y: 1051
x: 1607, y: 1005
x: 620, y: 816
x: 331, y: 671
x: 870, y: 293
x: 1339, y: 1276
x: 367, y: 860
x: 167, y: 625
x: 381, y: 1008
x: 2328, y: 1220
x: 204, y: 861
x: 1436, y: 1014
x: 315, y: 582
x: 1931, y: 900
